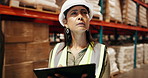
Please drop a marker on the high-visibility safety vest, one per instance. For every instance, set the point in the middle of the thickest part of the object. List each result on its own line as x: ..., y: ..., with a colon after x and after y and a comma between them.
x: 93, y: 55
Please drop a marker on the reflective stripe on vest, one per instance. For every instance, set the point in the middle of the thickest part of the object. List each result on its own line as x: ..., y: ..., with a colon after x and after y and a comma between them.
x: 95, y: 55
x: 53, y: 56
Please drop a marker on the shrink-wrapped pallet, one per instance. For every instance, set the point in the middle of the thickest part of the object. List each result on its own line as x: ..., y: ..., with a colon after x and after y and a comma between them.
x: 112, y: 59
x: 139, y: 56
x: 142, y: 16
x: 145, y: 53
x: 146, y: 1
x: 124, y: 57
x: 39, y: 4
x: 96, y: 8
x: 129, y: 12
x: 112, y: 11
x: 48, y: 4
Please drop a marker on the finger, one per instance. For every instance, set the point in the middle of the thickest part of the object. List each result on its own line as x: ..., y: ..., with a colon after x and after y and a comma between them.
x: 59, y: 75
x: 84, y: 75
x: 49, y: 77
x: 60, y: 65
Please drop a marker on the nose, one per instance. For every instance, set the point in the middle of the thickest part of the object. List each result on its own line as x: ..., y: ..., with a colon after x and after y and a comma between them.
x: 80, y: 17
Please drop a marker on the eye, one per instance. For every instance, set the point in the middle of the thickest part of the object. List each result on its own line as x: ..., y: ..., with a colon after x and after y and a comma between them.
x: 84, y: 12
x: 73, y: 13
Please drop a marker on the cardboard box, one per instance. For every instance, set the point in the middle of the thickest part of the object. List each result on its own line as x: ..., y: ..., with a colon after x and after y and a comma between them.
x: 15, y: 53
x: 18, y: 31
x: 21, y: 70
x: 38, y: 51
x: 40, y: 32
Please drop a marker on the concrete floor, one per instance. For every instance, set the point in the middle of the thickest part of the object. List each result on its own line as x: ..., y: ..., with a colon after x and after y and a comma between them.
x: 135, y: 73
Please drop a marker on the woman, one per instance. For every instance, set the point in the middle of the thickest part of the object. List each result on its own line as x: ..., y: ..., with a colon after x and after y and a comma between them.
x: 79, y: 47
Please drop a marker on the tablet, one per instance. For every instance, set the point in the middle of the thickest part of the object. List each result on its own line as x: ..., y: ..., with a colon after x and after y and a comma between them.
x: 69, y: 71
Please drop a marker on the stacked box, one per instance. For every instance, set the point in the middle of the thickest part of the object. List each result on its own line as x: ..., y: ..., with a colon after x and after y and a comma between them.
x: 112, y: 59
x: 40, y: 64
x: 19, y: 70
x: 112, y: 11
x: 142, y: 16
x: 15, y: 53
x: 18, y: 31
x: 129, y: 12
x: 40, y: 32
x: 145, y: 46
x: 38, y: 51
x: 27, y: 43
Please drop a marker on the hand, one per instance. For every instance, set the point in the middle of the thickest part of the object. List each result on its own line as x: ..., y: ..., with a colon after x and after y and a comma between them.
x: 61, y: 76
x: 84, y: 76
x: 57, y: 76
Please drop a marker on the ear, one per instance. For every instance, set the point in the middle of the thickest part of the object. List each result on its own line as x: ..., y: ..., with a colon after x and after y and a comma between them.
x: 65, y: 22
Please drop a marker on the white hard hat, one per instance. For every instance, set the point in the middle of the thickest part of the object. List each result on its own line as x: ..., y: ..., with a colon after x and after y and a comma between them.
x: 70, y: 3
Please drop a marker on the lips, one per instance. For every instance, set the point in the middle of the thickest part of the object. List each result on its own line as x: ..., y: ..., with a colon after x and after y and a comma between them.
x: 81, y: 24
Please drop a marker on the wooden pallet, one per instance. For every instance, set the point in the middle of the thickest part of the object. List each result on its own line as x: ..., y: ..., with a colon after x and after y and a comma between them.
x: 129, y: 22
x: 96, y: 18
x: 112, y: 20
x: 143, y: 26
x: 17, y: 4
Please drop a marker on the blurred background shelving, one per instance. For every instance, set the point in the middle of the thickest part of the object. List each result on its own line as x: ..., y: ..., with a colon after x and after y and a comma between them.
x: 26, y: 27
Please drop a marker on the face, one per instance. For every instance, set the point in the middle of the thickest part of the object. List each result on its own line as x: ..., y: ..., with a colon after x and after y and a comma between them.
x: 77, y: 19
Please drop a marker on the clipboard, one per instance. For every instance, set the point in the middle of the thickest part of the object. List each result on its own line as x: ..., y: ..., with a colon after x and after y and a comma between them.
x: 69, y: 71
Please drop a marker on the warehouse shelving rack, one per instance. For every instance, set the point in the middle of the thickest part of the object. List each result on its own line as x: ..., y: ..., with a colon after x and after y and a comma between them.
x: 52, y: 19
x: 101, y: 27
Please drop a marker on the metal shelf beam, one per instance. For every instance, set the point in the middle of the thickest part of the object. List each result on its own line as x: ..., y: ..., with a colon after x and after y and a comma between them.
x: 6, y: 10
x: 141, y: 3
x: 51, y: 18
